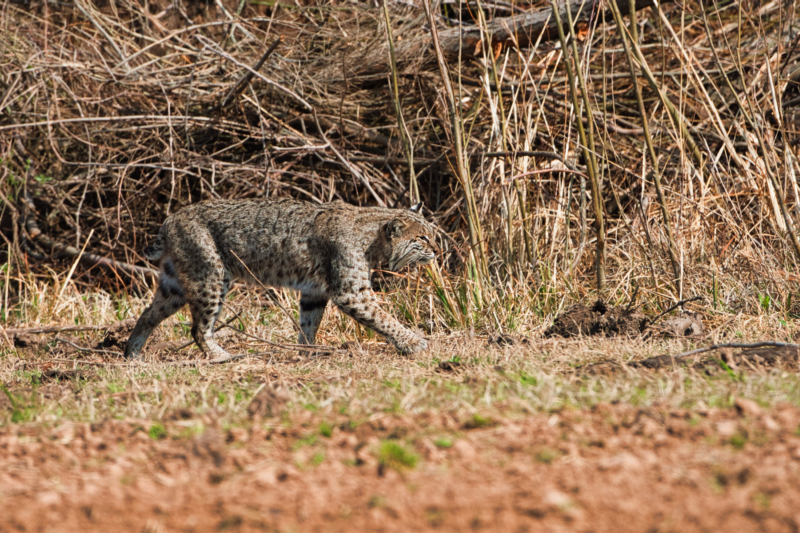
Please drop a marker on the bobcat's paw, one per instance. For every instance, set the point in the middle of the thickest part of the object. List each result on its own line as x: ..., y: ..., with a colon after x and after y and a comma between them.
x: 416, y: 346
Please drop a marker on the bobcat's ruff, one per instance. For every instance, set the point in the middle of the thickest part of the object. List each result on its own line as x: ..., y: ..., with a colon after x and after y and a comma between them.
x: 324, y: 251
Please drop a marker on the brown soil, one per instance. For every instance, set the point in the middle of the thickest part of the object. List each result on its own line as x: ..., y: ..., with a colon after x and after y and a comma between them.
x: 117, y: 334
x: 599, y: 319
x: 612, y: 468
x: 606, y: 321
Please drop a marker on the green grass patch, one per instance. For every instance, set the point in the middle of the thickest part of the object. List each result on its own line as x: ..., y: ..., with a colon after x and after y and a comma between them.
x: 326, y: 429
x: 444, y: 443
x: 478, y: 421
x: 738, y: 440
x: 21, y: 410
x: 317, y: 459
x: 546, y: 455
x: 392, y: 454
x: 157, y: 432
x: 305, y: 441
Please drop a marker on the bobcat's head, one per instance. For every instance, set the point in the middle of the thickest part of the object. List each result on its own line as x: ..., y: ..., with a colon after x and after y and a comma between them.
x: 411, y: 240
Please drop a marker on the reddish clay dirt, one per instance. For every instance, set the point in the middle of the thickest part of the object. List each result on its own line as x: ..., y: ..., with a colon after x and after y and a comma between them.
x: 614, y: 468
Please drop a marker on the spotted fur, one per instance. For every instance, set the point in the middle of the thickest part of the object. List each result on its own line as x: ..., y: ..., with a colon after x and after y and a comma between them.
x: 324, y: 251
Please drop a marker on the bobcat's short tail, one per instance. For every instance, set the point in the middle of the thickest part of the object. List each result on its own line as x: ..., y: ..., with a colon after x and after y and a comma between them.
x: 154, y: 252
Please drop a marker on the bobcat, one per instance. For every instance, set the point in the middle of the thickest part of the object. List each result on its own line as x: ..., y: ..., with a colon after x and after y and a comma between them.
x: 324, y: 251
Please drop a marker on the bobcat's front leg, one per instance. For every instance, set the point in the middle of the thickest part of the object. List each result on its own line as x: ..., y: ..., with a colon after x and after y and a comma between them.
x: 363, y: 307
x: 312, y: 308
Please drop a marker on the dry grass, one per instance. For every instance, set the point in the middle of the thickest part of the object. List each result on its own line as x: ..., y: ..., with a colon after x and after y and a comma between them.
x: 361, y: 379
x: 112, y: 121
x: 111, y: 109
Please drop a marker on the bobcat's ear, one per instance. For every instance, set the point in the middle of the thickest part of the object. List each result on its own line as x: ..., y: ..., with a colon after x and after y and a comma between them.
x: 416, y: 208
x: 395, y: 227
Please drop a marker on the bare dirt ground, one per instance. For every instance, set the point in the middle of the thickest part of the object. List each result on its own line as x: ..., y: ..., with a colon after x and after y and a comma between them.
x: 270, y: 458
x: 481, y: 433
x: 610, y: 468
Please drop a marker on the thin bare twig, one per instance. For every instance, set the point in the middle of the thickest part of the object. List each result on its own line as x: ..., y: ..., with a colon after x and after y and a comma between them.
x: 248, y: 75
x: 90, y: 350
x: 55, y: 329
x: 681, y: 303
x: 738, y: 345
x: 86, y: 258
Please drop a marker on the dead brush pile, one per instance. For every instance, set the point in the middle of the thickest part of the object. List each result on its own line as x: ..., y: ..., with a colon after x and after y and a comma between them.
x: 658, y: 155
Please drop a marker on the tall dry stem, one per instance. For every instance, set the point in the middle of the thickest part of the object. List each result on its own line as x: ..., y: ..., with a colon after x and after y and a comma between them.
x: 679, y: 121
x: 587, y: 144
x: 462, y: 168
x: 673, y: 249
x: 405, y: 136
x: 489, y: 56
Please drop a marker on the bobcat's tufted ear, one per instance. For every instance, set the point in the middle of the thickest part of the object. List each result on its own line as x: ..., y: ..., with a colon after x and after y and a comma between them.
x: 416, y: 208
x: 395, y: 227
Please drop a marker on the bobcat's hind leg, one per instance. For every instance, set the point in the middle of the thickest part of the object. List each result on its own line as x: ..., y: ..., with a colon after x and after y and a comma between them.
x: 205, y: 311
x: 205, y: 280
x: 169, y: 297
x: 312, y: 308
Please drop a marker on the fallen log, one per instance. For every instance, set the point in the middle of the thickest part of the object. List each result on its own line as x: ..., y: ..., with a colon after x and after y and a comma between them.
x: 519, y: 30
x: 523, y: 30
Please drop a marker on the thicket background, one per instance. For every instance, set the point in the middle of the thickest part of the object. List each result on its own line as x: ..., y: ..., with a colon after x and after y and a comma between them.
x: 665, y: 147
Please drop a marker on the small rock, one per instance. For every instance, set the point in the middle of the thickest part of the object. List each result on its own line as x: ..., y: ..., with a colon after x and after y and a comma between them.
x: 770, y: 423
x: 286, y: 472
x: 237, y: 434
x: 648, y: 428
x: 726, y: 428
x: 346, y: 440
x: 268, y: 402
x: 266, y: 477
x: 432, y: 453
x: 555, y: 498
x: 683, y: 326
x: 465, y: 450
x: 622, y: 461
x: 364, y: 456
x: 48, y: 498
x: 746, y: 407
x: 787, y: 415
x: 210, y: 445
x: 64, y: 433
